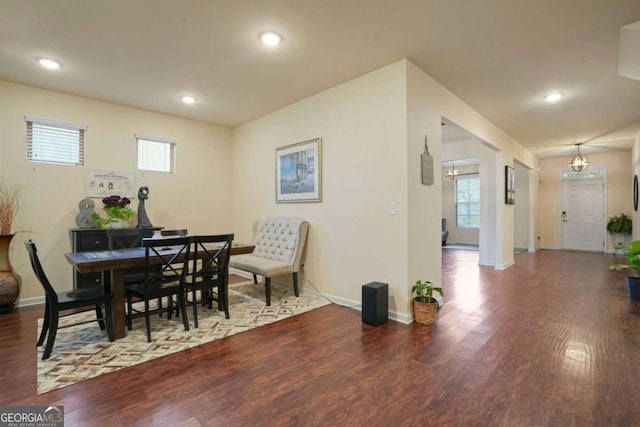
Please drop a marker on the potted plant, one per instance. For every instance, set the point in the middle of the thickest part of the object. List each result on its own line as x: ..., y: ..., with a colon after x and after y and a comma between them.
x: 117, y: 209
x: 620, y: 226
x: 632, y: 254
x: 425, y: 307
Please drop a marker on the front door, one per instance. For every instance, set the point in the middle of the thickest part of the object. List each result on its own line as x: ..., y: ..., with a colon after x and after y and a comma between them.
x: 583, y: 215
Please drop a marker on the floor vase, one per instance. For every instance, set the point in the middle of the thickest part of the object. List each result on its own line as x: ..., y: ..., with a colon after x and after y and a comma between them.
x: 9, y: 282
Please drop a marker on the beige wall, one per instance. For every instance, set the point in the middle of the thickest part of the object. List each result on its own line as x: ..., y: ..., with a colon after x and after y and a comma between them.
x: 197, y: 196
x: 353, y: 239
x: 618, y: 193
x: 373, y: 130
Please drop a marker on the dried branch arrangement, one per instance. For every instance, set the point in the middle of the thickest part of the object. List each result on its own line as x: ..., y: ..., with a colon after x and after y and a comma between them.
x: 9, y: 204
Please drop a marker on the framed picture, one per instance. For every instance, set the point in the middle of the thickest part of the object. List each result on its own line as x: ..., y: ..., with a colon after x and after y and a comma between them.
x: 509, y: 185
x: 106, y: 182
x: 299, y: 172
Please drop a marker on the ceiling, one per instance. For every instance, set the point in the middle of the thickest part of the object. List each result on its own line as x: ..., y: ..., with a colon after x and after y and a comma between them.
x: 499, y: 56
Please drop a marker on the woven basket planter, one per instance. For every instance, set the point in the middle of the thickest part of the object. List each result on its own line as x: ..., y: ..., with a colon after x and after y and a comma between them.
x: 425, y: 312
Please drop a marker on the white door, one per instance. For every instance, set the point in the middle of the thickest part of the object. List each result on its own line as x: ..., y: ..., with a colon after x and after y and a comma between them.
x: 582, y: 215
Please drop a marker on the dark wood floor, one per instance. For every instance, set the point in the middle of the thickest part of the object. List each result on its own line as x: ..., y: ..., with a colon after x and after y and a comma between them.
x: 552, y: 341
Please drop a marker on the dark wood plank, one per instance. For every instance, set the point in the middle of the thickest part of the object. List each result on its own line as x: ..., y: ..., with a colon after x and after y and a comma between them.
x: 553, y: 341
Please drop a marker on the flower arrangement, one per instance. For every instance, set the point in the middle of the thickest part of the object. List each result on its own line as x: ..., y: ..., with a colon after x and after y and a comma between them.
x: 116, y: 207
x: 9, y: 204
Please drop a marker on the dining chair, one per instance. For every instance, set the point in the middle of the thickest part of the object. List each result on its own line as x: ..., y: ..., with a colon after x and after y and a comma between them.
x: 58, y: 302
x: 209, y: 271
x: 165, y: 267
x: 181, y: 232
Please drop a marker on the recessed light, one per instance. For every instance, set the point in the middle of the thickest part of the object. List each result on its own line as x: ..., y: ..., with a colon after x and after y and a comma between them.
x: 187, y: 99
x: 49, y: 63
x: 554, y: 97
x: 270, y: 38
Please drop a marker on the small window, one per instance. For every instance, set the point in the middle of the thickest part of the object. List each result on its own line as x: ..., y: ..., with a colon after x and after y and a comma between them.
x: 468, y: 201
x: 156, y: 154
x: 53, y: 141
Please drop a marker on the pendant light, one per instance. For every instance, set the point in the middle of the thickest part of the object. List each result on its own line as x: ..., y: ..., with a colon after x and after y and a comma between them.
x: 578, y: 162
x: 452, y: 173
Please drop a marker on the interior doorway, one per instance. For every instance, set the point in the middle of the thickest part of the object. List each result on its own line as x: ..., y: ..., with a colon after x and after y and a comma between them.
x: 582, y: 210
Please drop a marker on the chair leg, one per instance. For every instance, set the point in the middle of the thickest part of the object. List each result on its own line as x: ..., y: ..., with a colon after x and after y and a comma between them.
x: 267, y: 285
x: 194, y: 304
x: 255, y: 279
x: 53, y: 329
x: 100, y: 317
x: 295, y: 284
x: 147, y: 320
x: 45, y: 324
x: 129, y: 312
x: 223, y: 295
x: 160, y: 307
x: 183, y: 308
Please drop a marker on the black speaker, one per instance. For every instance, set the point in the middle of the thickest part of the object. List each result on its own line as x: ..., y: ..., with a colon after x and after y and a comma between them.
x: 375, y: 303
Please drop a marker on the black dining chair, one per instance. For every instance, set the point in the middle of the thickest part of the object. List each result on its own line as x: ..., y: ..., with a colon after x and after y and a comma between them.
x: 57, y: 302
x: 209, y: 272
x: 166, y: 262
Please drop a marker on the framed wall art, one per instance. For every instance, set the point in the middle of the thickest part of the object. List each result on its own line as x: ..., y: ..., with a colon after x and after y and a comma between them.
x: 509, y: 185
x: 299, y: 172
x: 101, y: 183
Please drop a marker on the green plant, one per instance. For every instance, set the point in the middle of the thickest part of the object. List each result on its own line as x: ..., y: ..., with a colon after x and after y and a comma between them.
x: 424, y: 291
x: 116, y: 207
x: 620, y: 224
x: 632, y: 254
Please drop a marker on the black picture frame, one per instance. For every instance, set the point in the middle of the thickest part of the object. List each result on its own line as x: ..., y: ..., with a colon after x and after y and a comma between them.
x: 509, y: 185
x: 635, y: 193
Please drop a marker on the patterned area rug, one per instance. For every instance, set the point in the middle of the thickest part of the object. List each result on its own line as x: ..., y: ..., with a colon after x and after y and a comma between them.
x: 84, y: 351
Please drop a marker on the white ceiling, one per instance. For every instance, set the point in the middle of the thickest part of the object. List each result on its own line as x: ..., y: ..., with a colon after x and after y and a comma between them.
x: 499, y: 56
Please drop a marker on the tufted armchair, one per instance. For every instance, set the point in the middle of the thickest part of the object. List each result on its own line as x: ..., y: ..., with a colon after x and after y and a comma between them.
x: 279, y: 243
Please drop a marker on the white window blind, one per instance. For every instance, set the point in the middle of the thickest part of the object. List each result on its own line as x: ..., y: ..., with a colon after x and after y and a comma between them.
x: 468, y: 201
x: 156, y: 154
x: 53, y: 141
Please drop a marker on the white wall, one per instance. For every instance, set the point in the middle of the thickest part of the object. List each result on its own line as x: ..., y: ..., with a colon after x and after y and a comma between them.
x: 428, y: 98
x: 197, y: 196
x: 373, y: 130
x: 521, y: 208
x: 352, y: 238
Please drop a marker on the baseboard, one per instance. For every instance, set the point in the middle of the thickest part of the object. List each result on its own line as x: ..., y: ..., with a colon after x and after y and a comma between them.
x: 486, y: 263
x: 357, y: 305
x: 505, y: 265
x: 25, y: 302
x: 552, y: 248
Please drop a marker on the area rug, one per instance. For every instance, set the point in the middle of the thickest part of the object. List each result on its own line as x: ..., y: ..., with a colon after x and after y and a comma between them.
x: 82, y: 352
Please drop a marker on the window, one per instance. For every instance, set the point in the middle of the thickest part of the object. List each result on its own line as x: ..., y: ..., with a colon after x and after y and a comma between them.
x: 156, y: 154
x: 53, y: 141
x: 468, y: 201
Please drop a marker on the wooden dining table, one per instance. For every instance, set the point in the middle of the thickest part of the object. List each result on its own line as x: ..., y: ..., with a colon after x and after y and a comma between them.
x: 117, y: 262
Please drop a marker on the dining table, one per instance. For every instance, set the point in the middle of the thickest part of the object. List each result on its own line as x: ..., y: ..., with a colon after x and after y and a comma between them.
x: 117, y: 262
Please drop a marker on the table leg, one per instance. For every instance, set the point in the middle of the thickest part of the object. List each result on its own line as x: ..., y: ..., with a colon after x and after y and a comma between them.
x: 117, y: 306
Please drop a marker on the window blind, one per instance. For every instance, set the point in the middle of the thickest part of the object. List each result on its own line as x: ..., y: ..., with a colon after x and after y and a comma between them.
x: 53, y: 141
x: 155, y: 154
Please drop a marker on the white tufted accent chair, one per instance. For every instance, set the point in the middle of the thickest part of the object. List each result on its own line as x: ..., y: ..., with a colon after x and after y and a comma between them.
x: 279, y: 243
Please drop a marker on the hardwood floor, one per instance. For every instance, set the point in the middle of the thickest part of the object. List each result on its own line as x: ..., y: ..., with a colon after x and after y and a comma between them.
x: 552, y: 341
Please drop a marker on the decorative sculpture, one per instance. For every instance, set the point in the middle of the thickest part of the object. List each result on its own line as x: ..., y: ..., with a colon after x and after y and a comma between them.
x: 84, y: 219
x: 143, y: 219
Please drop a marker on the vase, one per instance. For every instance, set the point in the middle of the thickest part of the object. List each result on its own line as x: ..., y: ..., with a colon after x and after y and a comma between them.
x: 116, y: 224
x: 9, y: 281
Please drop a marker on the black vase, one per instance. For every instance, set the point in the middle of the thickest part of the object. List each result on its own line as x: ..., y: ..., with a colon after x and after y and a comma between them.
x: 633, y: 285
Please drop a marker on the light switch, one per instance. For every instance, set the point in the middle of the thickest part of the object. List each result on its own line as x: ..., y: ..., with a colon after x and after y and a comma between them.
x: 393, y: 208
